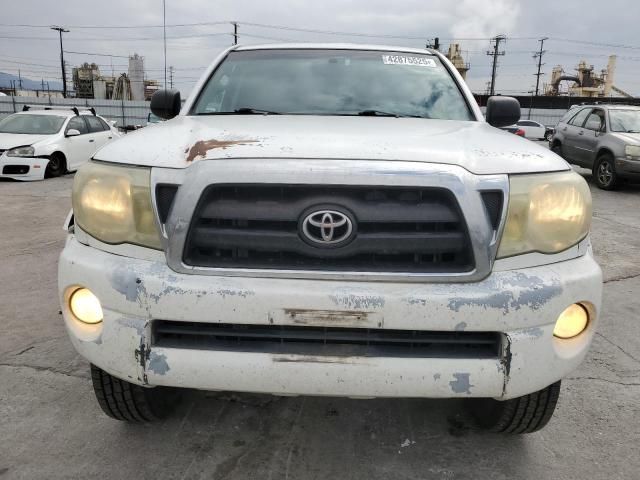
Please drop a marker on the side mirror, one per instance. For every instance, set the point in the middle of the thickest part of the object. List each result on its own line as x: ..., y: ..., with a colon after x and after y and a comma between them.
x: 166, y: 103
x: 502, y: 111
x: 72, y: 132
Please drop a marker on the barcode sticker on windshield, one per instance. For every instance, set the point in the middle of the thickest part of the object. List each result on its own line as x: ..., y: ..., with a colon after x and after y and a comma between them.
x: 404, y: 60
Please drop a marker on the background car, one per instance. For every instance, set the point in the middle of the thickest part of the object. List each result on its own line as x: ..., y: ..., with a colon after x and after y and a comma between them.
x: 35, y: 144
x: 603, y: 138
x: 513, y: 129
x: 532, y: 130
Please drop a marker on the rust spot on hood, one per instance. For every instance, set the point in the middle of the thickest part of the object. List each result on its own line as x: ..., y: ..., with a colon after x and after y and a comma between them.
x: 201, y: 147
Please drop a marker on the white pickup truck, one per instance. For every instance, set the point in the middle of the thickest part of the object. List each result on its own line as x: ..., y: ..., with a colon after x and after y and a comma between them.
x: 331, y: 220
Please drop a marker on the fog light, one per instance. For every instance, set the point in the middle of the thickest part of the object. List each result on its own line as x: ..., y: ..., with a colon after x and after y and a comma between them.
x: 571, y: 322
x: 85, y: 306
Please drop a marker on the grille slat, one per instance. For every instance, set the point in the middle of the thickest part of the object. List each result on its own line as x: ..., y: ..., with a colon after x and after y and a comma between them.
x: 367, y: 211
x: 398, y: 229
x: 325, y: 340
x: 264, y: 240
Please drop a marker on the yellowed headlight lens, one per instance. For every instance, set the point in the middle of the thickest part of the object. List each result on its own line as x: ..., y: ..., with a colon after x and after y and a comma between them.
x: 547, y: 213
x: 85, y: 306
x: 113, y: 204
x: 571, y: 322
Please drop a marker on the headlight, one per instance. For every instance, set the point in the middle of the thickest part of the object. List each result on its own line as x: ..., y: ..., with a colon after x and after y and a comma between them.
x: 25, y: 151
x: 632, y: 150
x: 113, y: 204
x: 547, y: 213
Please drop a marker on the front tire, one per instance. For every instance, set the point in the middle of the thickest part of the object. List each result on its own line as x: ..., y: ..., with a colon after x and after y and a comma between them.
x: 56, y: 167
x: 129, y: 402
x: 548, y: 136
x: 604, y: 172
x: 526, y: 414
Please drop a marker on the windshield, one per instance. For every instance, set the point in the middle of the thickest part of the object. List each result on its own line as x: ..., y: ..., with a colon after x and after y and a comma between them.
x: 333, y: 82
x: 625, y: 120
x: 31, y: 124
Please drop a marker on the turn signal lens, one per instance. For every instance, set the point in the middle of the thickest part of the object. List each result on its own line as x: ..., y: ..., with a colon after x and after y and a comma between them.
x: 85, y: 306
x: 571, y: 322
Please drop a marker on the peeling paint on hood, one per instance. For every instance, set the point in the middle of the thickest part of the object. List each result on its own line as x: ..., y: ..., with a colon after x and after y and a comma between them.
x: 201, y: 148
x: 473, y: 145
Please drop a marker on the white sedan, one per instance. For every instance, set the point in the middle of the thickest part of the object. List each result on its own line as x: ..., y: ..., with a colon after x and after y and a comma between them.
x: 532, y: 130
x: 35, y: 144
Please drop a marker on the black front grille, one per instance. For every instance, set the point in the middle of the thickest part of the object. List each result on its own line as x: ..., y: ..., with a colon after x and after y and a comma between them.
x: 284, y: 339
x: 399, y: 229
x: 165, y: 195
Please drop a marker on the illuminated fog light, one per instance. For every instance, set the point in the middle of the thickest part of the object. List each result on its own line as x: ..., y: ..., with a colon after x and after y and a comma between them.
x: 85, y: 306
x: 571, y: 322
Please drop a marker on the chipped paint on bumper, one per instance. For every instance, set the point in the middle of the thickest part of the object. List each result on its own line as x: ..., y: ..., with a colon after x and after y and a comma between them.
x: 522, y: 304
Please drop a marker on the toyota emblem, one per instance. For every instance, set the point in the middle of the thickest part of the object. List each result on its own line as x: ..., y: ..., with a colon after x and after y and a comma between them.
x: 327, y: 227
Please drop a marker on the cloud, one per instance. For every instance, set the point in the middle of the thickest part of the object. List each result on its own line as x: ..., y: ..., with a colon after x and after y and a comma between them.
x: 485, y: 18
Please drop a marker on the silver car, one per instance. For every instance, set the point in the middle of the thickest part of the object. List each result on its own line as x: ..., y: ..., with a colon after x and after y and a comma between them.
x: 604, y: 138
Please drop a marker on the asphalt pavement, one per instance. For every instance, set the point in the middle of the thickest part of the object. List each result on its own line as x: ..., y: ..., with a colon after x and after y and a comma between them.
x: 52, y: 428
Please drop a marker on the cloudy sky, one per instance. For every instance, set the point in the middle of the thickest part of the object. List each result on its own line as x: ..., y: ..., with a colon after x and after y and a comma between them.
x: 576, y: 29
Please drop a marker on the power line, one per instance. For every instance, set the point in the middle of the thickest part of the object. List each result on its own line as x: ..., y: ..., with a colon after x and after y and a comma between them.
x: 97, y: 54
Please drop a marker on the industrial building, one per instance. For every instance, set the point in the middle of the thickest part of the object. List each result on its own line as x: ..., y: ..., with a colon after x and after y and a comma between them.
x: 88, y: 82
x: 586, y: 82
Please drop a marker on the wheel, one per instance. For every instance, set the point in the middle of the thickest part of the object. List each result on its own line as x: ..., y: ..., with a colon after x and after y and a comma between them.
x: 557, y: 149
x: 604, y: 172
x: 57, y: 166
x: 525, y: 414
x: 129, y: 402
x: 548, y: 136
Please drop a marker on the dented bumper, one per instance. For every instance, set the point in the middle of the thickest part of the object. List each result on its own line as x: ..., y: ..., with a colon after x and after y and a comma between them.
x: 522, y: 305
x: 23, y: 168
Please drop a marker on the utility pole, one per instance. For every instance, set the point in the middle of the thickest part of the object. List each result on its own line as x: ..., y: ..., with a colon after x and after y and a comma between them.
x: 60, y: 31
x: 19, y: 79
x: 171, y: 77
x: 164, y: 41
x: 235, y: 33
x: 538, y: 55
x: 495, y: 54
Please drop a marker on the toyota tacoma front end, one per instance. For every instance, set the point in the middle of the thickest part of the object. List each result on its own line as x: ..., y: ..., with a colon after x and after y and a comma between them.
x: 300, y: 228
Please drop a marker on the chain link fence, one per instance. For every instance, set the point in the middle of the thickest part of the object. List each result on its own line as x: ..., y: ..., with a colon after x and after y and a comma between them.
x: 126, y: 113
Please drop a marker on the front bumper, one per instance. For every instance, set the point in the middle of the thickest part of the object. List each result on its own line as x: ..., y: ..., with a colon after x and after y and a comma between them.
x: 628, y: 168
x: 522, y: 304
x: 23, y: 168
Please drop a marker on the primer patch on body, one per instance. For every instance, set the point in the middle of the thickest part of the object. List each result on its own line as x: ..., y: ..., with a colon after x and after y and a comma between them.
x: 158, y: 364
x: 461, y: 383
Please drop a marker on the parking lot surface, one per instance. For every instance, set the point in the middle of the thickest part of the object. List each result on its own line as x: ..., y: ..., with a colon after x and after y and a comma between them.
x: 51, y: 426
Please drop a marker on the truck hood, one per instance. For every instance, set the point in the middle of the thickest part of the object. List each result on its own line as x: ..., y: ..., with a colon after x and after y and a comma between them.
x: 475, y: 146
x: 12, y: 140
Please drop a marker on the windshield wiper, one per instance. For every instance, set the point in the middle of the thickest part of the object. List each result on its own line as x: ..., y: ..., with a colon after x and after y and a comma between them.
x: 380, y: 113
x: 243, y: 111
x: 254, y: 111
x: 377, y: 113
